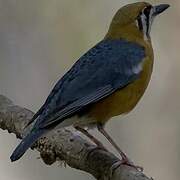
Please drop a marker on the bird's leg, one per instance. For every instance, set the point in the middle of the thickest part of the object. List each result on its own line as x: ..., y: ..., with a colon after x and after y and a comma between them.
x: 102, y: 131
x: 125, y: 160
x: 92, y: 138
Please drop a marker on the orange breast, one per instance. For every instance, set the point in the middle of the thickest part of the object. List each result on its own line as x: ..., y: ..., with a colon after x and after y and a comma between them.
x: 123, y: 100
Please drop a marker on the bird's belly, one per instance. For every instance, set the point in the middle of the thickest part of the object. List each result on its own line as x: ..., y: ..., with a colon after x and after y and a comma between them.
x: 123, y: 100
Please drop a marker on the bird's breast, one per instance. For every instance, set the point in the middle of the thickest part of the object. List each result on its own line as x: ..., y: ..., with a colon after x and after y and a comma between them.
x: 125, y: 99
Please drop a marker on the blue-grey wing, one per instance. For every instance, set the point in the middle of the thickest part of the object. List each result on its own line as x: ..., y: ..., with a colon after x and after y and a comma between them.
x: 110, y: 65
x: 77, y: 105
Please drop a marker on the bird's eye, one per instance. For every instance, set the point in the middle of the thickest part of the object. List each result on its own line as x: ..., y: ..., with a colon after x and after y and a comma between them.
x: 147, y: 11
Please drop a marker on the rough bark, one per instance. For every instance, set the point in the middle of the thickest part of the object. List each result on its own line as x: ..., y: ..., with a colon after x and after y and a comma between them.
x: 67, y: 146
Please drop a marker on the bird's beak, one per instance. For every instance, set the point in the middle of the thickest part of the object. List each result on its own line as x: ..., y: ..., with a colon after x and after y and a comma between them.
x: 160, y: 8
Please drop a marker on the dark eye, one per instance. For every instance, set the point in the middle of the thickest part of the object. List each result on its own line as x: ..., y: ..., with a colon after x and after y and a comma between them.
x: 147, y: 11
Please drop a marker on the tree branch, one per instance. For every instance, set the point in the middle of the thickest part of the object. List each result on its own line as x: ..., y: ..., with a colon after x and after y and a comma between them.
x: 65, y: 145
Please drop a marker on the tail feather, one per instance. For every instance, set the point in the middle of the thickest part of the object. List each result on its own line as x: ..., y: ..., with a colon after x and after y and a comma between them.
x: 26, y: 143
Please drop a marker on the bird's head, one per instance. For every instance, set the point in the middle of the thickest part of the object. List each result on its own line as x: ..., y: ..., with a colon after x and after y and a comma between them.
x: 134, y: 20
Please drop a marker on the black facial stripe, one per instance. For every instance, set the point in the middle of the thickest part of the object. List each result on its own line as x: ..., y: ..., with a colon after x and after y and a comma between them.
x: 147, y: 22
x: 140, y: 24
x: 144, y: 20
x: 147, y: 12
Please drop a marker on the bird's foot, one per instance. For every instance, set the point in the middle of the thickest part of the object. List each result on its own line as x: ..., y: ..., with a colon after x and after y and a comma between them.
x: 91, y: 137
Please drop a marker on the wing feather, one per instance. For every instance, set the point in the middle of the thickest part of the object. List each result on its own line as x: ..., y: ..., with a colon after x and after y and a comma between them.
x: 110, y: 65
x: 78, y: 105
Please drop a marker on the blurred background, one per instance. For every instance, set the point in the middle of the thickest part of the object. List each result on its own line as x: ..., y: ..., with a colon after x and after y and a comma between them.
x: 41, y: 39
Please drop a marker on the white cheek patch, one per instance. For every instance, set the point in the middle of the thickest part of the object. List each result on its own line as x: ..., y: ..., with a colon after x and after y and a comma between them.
x: 151, y: 19
x: 144, y: 23
x: 143, y: 19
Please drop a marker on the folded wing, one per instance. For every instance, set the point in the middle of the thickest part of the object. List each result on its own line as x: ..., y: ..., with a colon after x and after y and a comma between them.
x: 110, y: 65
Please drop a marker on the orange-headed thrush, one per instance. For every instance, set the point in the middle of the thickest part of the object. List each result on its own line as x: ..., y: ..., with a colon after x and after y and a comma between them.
x: 107, y: 81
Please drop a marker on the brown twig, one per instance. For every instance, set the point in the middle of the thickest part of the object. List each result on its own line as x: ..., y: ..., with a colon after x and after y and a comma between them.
x: 65, y: 145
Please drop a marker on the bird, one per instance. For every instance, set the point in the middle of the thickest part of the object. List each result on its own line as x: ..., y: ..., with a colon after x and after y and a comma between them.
x: 107, y: 81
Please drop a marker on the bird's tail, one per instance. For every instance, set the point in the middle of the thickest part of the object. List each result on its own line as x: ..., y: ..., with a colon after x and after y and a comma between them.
x: 26, y: 143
